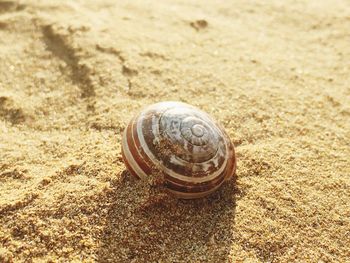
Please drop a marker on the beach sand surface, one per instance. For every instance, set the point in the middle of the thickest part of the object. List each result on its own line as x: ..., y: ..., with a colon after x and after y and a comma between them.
x: 275, y: 74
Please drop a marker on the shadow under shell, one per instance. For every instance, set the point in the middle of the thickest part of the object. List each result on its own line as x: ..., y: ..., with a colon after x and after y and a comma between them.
x: 148, y: 228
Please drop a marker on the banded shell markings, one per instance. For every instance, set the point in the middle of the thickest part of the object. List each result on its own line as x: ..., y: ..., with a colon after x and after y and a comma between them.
x: 192, y: 151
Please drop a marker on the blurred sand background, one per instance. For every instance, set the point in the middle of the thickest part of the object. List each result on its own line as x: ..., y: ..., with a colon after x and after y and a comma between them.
x: 276, y: 74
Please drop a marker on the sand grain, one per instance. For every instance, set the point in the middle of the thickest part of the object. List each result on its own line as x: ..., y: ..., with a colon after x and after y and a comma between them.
x: 275, y: 74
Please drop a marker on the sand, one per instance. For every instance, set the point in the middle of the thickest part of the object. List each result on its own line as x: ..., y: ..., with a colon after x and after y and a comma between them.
x: 276, y: 74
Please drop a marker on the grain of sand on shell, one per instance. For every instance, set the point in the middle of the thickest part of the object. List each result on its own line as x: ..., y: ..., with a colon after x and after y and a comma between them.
x: 275, y: 74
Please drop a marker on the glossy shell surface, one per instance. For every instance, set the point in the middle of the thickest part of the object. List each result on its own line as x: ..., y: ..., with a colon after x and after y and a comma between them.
x: 185, y: 145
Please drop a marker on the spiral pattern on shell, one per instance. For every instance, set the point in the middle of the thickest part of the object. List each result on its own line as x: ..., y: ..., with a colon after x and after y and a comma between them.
x: 191, y: 151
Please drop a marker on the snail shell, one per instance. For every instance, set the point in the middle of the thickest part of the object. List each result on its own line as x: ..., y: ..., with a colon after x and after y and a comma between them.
x: 183, y: 144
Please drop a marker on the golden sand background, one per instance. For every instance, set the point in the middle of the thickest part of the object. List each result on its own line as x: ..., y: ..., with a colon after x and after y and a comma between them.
x: 276, y: 74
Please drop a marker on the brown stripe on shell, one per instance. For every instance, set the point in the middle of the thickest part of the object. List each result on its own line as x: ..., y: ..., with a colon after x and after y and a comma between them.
x: 177, y: 181
x: 232, y: 162
x: 191, y: 195
x: 143, y: 157
x: 136, y: 149
x: 195, y: 188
